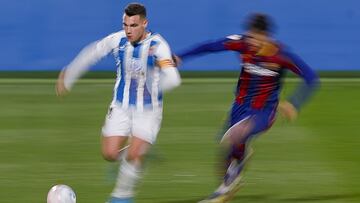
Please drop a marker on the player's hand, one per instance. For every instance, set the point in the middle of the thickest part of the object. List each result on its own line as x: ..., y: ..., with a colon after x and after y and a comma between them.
x: 177, y: 60
x: 287, y: 110
x: 60, y: 85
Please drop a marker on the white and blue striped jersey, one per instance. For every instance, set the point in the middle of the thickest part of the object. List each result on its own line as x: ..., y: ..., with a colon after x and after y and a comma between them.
x: 138, y: 81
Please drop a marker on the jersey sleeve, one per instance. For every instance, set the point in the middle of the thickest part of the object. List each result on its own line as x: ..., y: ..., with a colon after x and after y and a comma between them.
x: 169, y: 77
x: 163, y: 54
x: 226, y: 43
x: 87, y: 57
x: 311, y: 80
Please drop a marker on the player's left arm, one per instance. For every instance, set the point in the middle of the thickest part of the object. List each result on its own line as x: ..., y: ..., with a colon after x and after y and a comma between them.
x: 170, y: 77
x: 310, y: 80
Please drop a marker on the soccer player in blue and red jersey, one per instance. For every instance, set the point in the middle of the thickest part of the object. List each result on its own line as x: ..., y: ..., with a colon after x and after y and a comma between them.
x: 264, y: 63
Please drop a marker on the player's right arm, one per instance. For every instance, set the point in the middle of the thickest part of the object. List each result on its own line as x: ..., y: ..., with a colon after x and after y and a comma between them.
x: 228, y: 43
x: 87, y: 57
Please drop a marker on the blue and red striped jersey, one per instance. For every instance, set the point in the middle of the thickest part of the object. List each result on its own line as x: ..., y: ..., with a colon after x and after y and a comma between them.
x: 263, y: 66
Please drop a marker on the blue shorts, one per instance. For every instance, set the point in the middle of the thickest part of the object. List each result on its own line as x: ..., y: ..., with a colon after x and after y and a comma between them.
x: 261, y: 119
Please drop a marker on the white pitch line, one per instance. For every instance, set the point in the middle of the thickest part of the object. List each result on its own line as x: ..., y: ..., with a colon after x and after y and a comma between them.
x: 185, y: 175
x: 182, y: 181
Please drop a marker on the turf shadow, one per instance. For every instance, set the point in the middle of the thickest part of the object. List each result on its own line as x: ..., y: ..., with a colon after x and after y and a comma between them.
x: 322, y: 197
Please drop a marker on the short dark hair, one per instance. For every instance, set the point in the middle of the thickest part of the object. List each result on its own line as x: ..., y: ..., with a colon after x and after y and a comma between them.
x: 133, y: 9
x: 260, y: 22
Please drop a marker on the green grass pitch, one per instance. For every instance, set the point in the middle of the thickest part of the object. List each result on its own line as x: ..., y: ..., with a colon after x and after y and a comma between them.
x: 45, y: 140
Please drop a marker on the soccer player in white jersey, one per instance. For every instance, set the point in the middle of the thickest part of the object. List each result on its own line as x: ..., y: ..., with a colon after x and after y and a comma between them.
x: 144, y: 70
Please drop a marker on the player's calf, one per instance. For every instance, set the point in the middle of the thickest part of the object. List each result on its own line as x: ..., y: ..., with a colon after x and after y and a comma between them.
x: 128, y: 177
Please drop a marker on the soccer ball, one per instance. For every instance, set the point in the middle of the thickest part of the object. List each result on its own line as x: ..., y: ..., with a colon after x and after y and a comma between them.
x: 61, y: 194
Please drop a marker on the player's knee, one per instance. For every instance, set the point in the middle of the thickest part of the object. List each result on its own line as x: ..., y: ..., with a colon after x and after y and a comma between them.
x: 110, y: 155
x: 135, y: 155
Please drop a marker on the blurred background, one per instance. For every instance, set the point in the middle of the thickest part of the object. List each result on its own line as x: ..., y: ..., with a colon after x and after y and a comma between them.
x: 47, y: 34
x: 45, y: 140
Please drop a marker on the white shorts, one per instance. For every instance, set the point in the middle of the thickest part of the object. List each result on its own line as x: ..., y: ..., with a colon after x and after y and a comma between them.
x: 130, y: 122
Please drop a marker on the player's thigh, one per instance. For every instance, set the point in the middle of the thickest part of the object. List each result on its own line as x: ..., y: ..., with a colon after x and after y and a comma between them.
x: 115, y: 132
x: 110, y: 146
x: 118, y: 122
x: 238, y: 131
x: 146, y: 125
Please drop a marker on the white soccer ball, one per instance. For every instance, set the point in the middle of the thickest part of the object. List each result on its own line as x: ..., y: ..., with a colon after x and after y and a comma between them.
x: 61, y: 194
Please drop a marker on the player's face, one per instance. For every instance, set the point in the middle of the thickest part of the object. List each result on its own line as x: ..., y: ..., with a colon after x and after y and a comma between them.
x: 135, y: 28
